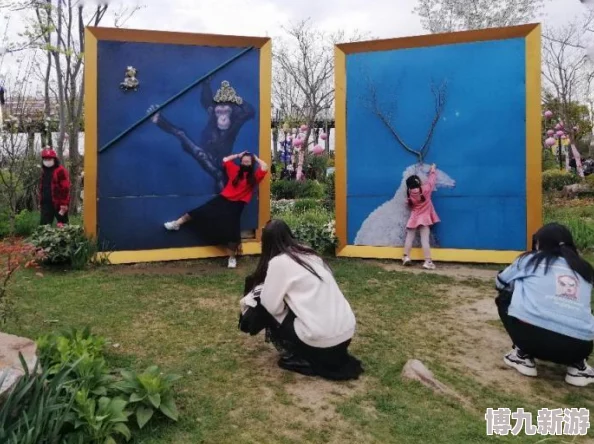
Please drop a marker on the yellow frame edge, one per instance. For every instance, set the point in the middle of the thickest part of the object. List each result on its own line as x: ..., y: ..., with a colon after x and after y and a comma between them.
x: 437, y: 254
x: 92, y: 37
x: 531, y: 34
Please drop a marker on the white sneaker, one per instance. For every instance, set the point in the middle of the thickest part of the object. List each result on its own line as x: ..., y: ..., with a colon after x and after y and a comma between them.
x: 172, y: 226
x: 429, y: 265
x: 232, y: 263
x: 406, y: 261
x: 580, y: 374
x: 522, y: 363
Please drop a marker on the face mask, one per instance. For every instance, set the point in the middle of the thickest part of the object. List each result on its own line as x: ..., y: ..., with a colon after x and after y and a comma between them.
x: 48, y: 163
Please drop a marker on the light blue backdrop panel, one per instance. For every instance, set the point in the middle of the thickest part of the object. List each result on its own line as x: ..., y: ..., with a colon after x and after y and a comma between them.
x: 480, y: 141
x: 146, y: 178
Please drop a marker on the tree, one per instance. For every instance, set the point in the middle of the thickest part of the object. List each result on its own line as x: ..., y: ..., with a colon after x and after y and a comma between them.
x: 386, y: 116
x: 19, y: 173
x: 57, y: 28
x: 567, y: 76
x: 303, y: 65
x: 459, y: 15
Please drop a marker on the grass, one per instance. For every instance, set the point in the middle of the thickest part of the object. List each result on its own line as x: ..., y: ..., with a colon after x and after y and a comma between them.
x: 183, y: 317
x: 578, y: 216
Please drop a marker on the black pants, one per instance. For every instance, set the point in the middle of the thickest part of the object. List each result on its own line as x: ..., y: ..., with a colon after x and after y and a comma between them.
x: 538, y: 342
x: 334, y: 363
x: 49, y: 213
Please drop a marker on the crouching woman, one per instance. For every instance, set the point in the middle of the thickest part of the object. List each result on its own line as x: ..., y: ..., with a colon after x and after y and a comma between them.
x: 544, y: 303
x: 314, y: 321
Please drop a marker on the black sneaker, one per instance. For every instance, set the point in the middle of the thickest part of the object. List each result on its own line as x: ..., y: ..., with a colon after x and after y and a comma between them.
x: 521, y: 362
x: 580, y: 374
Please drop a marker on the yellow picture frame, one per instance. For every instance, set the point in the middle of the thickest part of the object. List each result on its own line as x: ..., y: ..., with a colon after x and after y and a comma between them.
x: 93, y: 35
x: 532, y: 35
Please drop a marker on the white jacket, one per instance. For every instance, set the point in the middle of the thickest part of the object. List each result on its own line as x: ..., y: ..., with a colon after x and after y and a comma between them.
x: 324, y: 317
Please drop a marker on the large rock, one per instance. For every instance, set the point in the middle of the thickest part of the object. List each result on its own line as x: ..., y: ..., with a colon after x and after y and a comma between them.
x: 11, y: 369
x: 576, y: 189
x: 415, y: 370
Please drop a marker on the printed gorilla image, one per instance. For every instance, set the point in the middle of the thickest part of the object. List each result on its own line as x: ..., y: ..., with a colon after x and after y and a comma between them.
x: 227, y: 112
x: 173, y: 161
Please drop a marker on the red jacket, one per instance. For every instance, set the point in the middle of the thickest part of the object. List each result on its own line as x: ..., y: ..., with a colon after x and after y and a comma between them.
x: 243, y: 192
x: 60, y: 187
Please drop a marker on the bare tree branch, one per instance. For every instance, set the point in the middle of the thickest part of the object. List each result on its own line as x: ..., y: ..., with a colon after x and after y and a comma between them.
x: 373, y: 104
x: 457, y: 15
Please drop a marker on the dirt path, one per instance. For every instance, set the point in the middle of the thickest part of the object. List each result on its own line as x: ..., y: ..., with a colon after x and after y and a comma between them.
x: 458, y: 272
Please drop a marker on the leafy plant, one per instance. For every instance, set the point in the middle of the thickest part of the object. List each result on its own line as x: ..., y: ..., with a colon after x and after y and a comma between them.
x: 150, y: 391
x: 555, y: 180
x: 315, y: 228
x: 296, y: 189
x: 65, y: 245
x: 14, y: 254
x: 279, y: 207
x: 98, y: 421
x: 37, y: 407
x: 58, y: 350
x: 25, y: 223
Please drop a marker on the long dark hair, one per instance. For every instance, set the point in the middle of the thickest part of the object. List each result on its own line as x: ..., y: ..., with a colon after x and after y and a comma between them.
x: 277, y: 238
x: 248, y: 172
x: 552, y: 242
x: 412, y: 183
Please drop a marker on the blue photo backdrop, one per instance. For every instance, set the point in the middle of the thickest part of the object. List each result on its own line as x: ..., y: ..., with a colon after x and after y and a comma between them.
x: 146, y: 178
x: 479, y: 141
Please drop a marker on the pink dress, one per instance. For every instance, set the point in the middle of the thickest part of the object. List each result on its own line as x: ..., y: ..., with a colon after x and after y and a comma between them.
x: 423, y: 213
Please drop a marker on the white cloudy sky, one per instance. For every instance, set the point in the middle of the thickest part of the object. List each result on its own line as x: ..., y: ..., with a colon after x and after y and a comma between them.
x: 382, y: 18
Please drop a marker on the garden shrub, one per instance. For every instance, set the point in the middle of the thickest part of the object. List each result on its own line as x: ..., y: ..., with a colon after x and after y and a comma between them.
x: 25, y: 223
x: 279, y: 207
x: 305, y: 205
x: 67, y: 245
x: 330, y: 190
x: 580, y: 223
x: 77, y: 398
x: 296, y: 189
x: 555, y: 180
x: 314, y: 228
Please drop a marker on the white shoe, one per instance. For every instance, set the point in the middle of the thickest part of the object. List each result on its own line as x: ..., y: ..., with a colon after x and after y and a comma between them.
x: 406, y: 261
x: 429, y: 265
x: 580, y: 374
x: 232, y: 263
x: 522, y: 363
x: 172, y: 226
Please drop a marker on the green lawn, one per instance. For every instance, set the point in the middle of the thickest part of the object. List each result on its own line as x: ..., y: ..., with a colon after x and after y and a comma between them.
x: 183, y: 317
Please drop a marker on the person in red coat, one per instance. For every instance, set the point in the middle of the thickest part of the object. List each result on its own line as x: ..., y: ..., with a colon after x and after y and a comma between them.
x: 54, y: 189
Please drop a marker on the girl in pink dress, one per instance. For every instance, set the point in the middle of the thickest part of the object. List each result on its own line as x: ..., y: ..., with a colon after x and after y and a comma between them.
x: 422, y: 216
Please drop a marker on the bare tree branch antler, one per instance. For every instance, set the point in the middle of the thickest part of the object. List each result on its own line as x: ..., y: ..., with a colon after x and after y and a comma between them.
x: 439, y: 95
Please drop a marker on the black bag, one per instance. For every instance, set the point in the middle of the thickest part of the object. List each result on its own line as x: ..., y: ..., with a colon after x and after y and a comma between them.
x: 255, y: 319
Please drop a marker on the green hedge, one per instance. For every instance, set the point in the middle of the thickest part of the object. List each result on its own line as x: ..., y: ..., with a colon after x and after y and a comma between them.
x: 555, y: 180
x: 314, y: 227
x: 296, y: 189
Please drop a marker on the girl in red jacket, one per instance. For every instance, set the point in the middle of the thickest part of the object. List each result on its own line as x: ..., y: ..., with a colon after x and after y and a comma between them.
x: 54, y: 189
x: 218, y: 220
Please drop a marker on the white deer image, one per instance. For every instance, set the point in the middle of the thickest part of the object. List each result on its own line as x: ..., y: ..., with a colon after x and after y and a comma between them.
x: 386, y: 225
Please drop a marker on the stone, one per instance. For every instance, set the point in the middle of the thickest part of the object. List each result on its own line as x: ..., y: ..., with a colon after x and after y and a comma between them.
x: 417, y: 371
x: 576, y: 189
x: 11, y: 369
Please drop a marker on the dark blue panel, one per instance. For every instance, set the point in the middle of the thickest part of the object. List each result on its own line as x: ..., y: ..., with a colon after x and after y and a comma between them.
x: 137, y: 223
x: 147, y: 178
x: 480, y: 141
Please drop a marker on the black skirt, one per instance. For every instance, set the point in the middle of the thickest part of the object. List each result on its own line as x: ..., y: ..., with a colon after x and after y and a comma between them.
x: 218, y: 221
x: 333, y: 363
